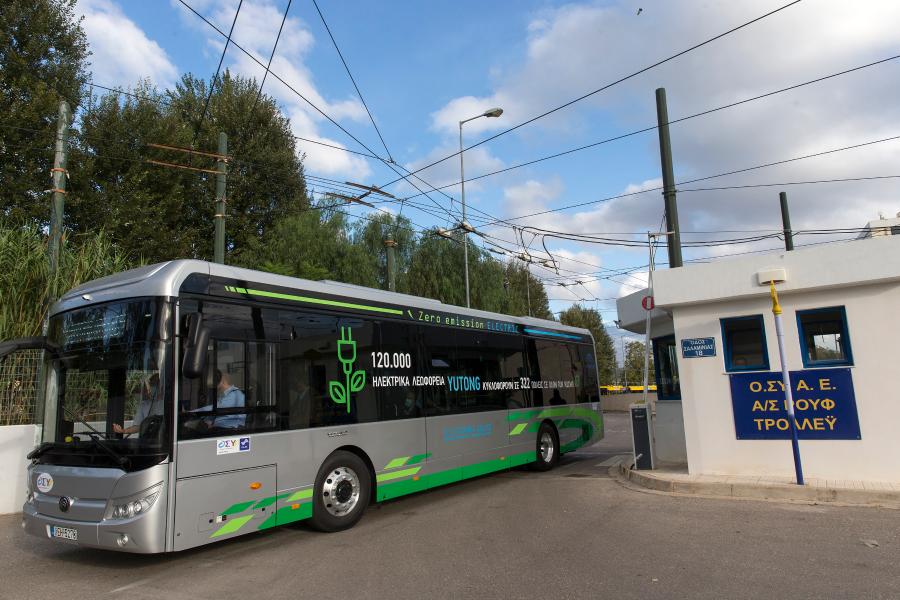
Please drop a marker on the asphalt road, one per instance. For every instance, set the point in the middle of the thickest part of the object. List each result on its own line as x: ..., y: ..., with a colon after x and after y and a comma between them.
x: 570, y: 533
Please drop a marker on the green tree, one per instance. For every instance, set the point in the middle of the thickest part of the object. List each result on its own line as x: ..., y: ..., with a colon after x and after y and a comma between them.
x: 370, y: 234
x: 313, y: 244
x: 164, y: 213
x: 436, y: 270
x: 42, y: 61
x: 634, y: 364
x: 25, y: 282
x: 589, y: 318
x: 516, y: 278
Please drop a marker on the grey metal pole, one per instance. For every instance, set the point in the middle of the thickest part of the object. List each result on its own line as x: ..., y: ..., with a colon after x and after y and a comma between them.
x: 786, y: 222
x: 462, y: 182
x: 390, y: 246
x: 59, y: 176
x: 665, y: 155
x: 219, y: 250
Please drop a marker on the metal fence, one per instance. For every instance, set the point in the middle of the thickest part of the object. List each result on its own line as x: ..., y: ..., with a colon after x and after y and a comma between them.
x: 18, y: 387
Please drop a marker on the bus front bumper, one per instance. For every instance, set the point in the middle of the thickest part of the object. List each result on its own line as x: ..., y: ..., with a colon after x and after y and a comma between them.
x: 143, y: 535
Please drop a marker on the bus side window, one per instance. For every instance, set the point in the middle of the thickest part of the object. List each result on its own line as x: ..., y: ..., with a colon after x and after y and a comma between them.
x: 559, y: 366
x: 571, y: 371
x: 588, y: 391
x: 441, y: 360
x: 318, y: 370
x: 513, y: 369
x: 399, y: 354
x: 534, y: 370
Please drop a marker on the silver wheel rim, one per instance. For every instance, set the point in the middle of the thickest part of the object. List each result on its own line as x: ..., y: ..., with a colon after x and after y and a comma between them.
x: 547, y: 446
x: 340, y: 491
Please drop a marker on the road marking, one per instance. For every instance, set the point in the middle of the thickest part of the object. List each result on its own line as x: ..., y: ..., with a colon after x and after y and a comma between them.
x: 614, y: 460
x: 133, y: 584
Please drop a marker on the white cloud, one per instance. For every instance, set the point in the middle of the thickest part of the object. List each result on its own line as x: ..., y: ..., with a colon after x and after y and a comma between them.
x: 255, y: 31
x: 579, y: 47
x: 121, y: 53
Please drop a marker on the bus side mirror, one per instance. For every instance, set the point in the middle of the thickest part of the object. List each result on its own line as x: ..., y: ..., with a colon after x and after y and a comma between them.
x: 195, y: 345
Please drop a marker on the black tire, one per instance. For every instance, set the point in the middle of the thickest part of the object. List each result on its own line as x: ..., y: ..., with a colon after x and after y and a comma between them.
x: 342, y: 492
x: 546, y: 448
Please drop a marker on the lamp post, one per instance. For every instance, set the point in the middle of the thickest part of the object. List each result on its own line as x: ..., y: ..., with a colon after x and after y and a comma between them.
x: 494, y: 112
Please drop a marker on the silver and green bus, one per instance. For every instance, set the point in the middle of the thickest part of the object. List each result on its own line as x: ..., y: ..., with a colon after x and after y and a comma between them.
x: 186, y: 402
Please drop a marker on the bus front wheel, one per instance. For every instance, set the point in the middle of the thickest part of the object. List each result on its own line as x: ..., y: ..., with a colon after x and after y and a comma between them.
x: 342, y: 492
x: 547, y: 450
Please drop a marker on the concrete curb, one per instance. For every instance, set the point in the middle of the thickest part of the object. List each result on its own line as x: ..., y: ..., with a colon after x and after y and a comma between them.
x: 769, y: 491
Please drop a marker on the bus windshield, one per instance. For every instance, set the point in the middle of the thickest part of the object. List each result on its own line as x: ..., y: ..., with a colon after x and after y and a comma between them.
x: 107, y: 390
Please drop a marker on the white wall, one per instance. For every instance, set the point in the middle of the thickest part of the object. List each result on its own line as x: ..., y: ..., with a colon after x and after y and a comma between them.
x: 874, y: 331
x: 15, y: 442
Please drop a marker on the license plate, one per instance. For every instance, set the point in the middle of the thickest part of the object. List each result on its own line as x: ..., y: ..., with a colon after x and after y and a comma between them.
x: 65, y: 533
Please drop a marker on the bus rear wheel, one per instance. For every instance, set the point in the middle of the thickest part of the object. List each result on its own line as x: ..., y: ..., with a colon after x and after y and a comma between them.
x: 342, y: 492
x: 547, y: 451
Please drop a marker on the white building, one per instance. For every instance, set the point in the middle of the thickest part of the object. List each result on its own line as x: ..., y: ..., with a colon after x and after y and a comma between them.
x: 721, y: 404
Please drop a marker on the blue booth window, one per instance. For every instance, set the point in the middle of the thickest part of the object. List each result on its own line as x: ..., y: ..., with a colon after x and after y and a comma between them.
x: 665, y: 361
x: 744, y: 340
x: 824, y: 340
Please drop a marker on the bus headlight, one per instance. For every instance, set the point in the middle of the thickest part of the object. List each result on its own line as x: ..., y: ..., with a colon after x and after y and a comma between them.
x: 131, y: 506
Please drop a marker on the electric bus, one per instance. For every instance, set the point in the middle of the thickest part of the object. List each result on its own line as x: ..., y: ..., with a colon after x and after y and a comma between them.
x: 187, y: 402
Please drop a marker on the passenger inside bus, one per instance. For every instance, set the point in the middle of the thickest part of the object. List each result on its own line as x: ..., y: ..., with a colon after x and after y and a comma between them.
x: 227, y: 396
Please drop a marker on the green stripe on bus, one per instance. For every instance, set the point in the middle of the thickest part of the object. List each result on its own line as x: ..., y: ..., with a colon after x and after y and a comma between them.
x: 269, y: 501
x: 238, y: 508
x: 562, y: 411
x: 300, y: 495
x: 433, y: 480
x: 397, y: 462
x: 397, y: 474
x: 310, y: 300
x: 419, y: 458
x: 287, y: 514
x: 518, y: 429
x: 231, y: 526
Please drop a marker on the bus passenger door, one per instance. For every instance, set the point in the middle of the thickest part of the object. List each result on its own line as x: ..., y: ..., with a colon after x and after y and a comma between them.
x: 483, y: 430
x: 442, y: 421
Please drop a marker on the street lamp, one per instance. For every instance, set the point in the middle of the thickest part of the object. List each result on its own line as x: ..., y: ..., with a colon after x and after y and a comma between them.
x: 494, y: 112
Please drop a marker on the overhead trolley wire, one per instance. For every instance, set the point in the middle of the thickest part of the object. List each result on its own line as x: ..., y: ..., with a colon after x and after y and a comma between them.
x: 695, y: 180
x: 606, y: 87
x: 271, y: 57
x: 387, y: 163
x: 356, y: 87
x: 672, y: 122
x: 212, y: 84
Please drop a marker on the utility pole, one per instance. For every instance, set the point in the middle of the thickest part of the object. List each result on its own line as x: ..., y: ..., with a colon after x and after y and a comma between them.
x: 390, y: 247
x: 59, y: 176
x: 786, y: 222
x: 222, y: 168
x: 665, y: 155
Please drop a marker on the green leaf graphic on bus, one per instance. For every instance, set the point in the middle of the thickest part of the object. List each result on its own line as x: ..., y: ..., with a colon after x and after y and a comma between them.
x: 354, y: 381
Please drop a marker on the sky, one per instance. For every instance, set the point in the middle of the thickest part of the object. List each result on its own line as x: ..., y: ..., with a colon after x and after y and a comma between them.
x: 424, y: 66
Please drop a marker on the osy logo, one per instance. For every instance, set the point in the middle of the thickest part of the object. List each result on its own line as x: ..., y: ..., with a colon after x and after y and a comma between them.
x: 44, y: 483
x: 232, y: 445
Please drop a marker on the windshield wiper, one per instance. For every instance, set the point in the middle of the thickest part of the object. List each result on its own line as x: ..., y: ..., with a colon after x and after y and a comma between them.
x: 37, y: 452
x: 96, y: 437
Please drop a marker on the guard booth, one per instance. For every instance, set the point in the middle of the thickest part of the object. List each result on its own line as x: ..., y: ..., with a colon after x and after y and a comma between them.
x: 721, y: 400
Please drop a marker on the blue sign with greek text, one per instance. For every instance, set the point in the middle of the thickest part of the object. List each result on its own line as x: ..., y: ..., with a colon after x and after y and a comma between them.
x: 824, y: 404
x: 696, y: 347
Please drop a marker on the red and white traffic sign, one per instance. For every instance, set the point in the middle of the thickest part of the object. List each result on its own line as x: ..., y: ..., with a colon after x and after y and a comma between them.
x: 647, y: 302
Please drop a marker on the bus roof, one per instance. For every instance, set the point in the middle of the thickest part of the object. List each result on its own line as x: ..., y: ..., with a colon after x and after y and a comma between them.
x: 165, y: 279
